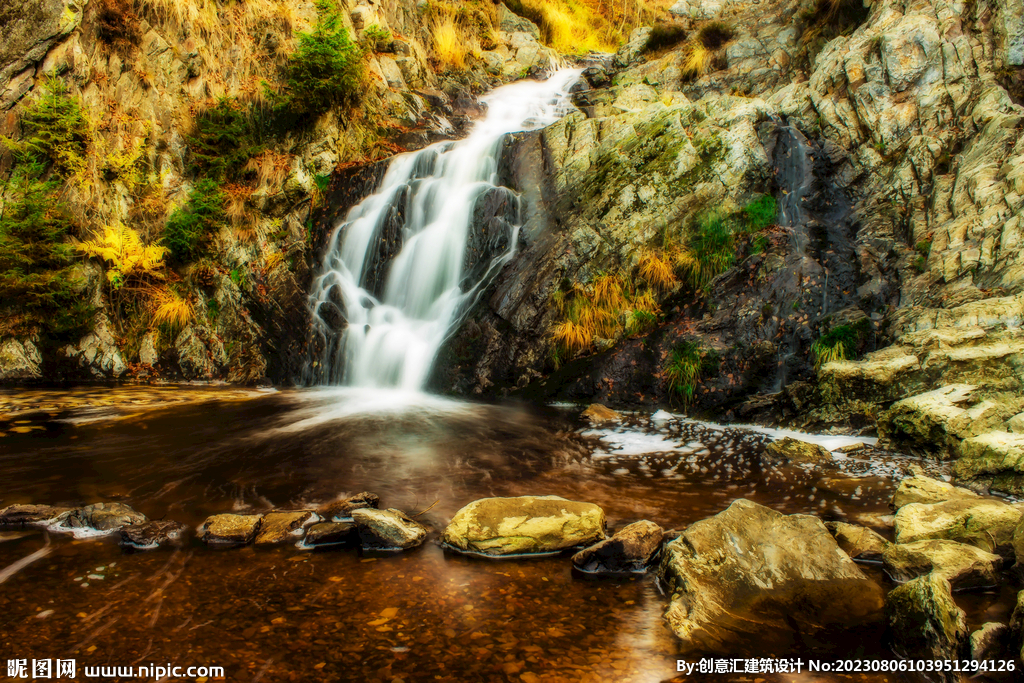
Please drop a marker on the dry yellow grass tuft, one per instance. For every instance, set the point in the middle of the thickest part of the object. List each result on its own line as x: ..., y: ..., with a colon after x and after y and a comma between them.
x: 450, y: 45
x: 657, y: 269
x: 171, y: 309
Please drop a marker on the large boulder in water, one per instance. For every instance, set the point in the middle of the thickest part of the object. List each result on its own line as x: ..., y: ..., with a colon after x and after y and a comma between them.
x: 631, y: 549
x: 925, y: 623
x: 524, y: 525
x: 752, y: 571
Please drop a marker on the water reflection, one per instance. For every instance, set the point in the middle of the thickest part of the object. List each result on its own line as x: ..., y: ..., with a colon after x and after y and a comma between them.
x: 289, y: 615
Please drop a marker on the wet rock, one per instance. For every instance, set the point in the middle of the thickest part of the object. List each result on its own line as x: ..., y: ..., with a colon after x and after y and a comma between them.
x: 331, y: 533
x: 104, y: 517
x: 387, y: 529
x: 789, y: 450
x: 631, y: 549
x: 964, y: 566
x: 995, y: 459
x: 20, y: 360
x: 342, y: 509
x: 599, y: 414
x: 860, y: 543
x: 154, y: 534
x: 925, y: 622
x: 284, y: 527
x: 983, y: 523
x: 922, y: 489
x: 751, y: 570
x: 228, y: 530
x: 19, y: 516
x: 524, y: 525
x: 990, y: 642
x: 201, y: 354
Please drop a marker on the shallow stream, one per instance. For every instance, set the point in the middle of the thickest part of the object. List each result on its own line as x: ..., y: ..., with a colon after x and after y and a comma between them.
x: 424, y: 615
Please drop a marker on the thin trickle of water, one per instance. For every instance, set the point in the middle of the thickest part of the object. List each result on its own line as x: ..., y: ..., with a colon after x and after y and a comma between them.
x: 408, y: 261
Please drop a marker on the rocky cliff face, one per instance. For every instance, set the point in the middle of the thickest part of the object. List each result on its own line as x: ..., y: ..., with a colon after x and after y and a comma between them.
x: 894, y: 152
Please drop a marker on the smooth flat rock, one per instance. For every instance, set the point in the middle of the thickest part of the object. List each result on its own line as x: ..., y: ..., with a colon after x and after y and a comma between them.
x: 342, y: 509
x: 984, y: 523
x: 631, y: 549
x: 229, y: 531
x: 922, y: 489
x: 284, y: 526
x: 387, y: 529
x: 752, y: 571
x: 524, y: 525
x: 790, y: 450
x: 153, y: 534
x: 19, y: 516
x: 964, y: 566
x: 859, y: 542
x: 925, y: 622
x: 331, y: 533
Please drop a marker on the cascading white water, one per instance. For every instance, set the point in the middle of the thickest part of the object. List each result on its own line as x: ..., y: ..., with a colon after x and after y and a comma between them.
x: 382, y: 316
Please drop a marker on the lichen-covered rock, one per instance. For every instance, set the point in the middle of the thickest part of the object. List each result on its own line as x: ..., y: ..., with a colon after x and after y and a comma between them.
x: 983, y: 523
x: 330, y: 533
x: 20, y: 516
x: 229, y: 531
x: 750, y: 570
x: 630, y: 549
x: 342, y: 509
x: 284, y: 526
x: 19, y: 360
x: 153, y: 534
x: 201, y: 354
x: 387, y: 529
x: 995, y: 459
x: 925, y: 622
x: 104, y: 517
x: 97, y: 351
x: 634, y: 47
x: 28, y: 30
x: 510, y: 22
x: 790, y: 450
x: 964, y: 566
x: 922, y: 489
x: 859, y: 542
x: 524, y: 525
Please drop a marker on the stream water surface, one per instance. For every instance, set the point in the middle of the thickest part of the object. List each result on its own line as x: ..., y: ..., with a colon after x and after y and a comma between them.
x: 291, y: 615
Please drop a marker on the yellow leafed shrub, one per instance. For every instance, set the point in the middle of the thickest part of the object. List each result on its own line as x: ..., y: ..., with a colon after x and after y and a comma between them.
x: 171, y: 309
x: 127, y: 257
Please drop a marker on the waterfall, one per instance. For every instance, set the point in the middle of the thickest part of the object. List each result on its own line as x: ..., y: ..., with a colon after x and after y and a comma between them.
x: 407, y: 262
